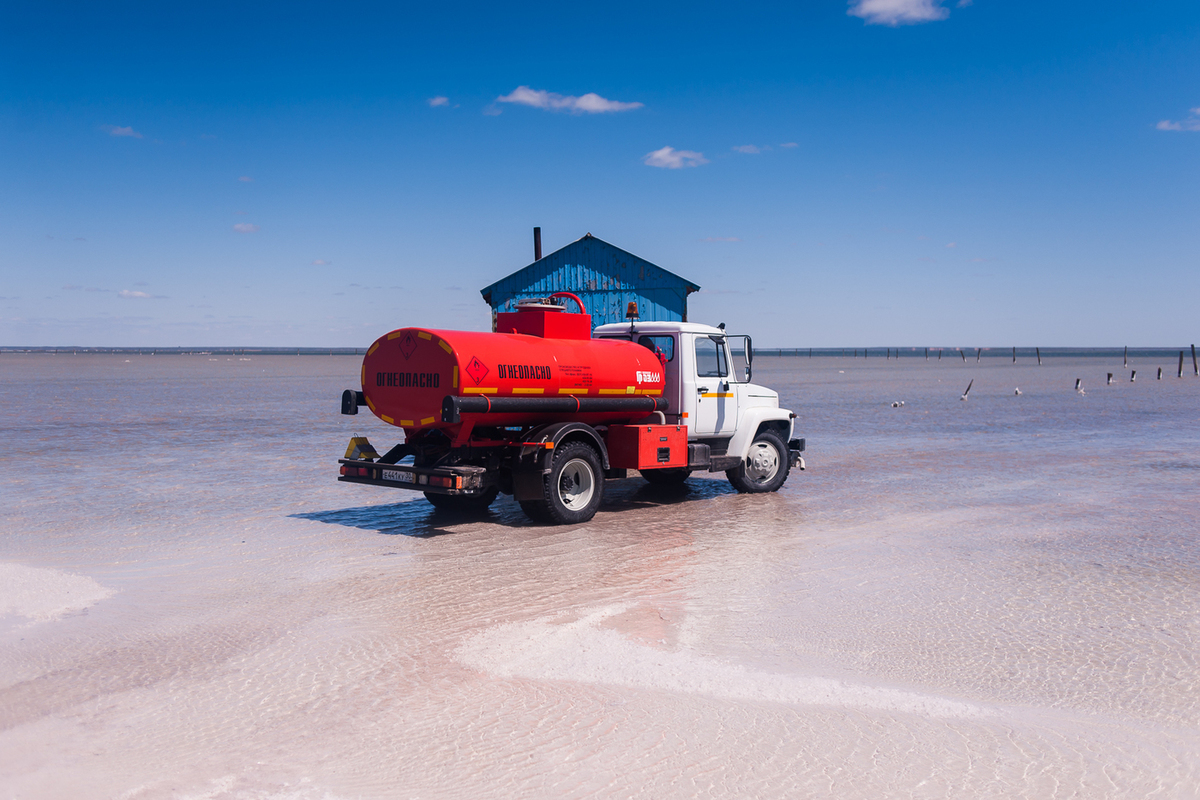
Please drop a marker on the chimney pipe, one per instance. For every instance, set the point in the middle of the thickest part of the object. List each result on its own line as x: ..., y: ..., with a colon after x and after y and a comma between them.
x: 537, y: 244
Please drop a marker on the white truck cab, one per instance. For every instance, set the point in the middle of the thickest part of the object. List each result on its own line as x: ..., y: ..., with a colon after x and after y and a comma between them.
x: 709, y: 389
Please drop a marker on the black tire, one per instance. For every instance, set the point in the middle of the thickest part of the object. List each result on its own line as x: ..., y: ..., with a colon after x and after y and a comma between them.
x: 463, y: 503
x: 573, y: 490
x: 667, y: 477
x: 765, y: 468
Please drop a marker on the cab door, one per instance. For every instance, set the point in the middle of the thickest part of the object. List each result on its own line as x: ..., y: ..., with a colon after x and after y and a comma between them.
x: 716, y: 402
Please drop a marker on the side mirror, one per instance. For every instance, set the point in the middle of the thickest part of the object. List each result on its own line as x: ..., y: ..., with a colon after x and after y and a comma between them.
x: 747, y: 353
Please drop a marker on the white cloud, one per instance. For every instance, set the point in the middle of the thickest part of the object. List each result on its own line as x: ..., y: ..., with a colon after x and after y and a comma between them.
x: 952, y: 244
x: 670, y: 158
x: 1192, y: 123
x: 320, y: 262
x: 590, y: 103
x: 128, y: 295
x: 113, y: 130
x: 246, y: 179
x: 438, y: 101
x: 897, y: 12
x: 246, y: 227
x: 749, y: 149
x: 789, y: 144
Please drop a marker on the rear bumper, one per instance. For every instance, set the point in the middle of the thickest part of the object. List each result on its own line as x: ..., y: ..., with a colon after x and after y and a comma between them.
x: 440, y: 480
x: 795, y: 448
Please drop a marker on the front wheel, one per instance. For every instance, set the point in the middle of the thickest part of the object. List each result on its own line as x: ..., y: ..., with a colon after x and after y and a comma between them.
x: 572, y: 492
x: 765, y: 467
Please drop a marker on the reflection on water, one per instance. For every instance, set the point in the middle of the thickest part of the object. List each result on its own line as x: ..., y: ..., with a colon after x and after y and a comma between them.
x: 991, y: 597
x: 417, y: 518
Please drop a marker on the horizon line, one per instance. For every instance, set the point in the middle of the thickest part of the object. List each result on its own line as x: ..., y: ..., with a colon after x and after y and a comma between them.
x: 881, y: 350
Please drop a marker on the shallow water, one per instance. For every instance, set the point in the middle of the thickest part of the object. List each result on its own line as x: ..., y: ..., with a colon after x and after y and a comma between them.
x: 994, y: 597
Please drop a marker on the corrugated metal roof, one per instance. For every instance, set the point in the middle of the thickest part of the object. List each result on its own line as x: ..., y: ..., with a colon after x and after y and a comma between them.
x: 604, y: 276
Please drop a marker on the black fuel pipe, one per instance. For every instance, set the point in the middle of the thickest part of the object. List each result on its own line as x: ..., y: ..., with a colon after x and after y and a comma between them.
x: 351, y: 400
x: 453, y: 406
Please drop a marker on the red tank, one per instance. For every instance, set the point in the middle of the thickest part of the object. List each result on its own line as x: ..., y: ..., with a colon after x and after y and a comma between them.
x: 540, y: 351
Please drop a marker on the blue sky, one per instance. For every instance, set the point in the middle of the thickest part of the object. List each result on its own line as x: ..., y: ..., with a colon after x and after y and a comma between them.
x: 881, y: 172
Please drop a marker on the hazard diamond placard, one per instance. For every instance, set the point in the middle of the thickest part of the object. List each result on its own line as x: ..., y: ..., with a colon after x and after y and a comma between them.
x: 408, y: 344
x: 477, y: 370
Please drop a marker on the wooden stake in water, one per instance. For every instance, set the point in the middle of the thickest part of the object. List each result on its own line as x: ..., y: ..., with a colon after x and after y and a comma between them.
x: 1014, y: 355
x: 926, y: 353
x: 978, y: 353
x: 1110, y: 379
x: 1133, y: 376
x: 1078, y: 384
x: 1039, y: 355
x: 1159, y: 378
x: 964, y: 355
x: 1181, y: 363
x: 968, y: 391
x: 1126, y: 356
x: 1195, y: 369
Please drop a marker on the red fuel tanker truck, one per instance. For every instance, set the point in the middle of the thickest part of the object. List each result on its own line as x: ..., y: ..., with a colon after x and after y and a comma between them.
x: 547, y: 411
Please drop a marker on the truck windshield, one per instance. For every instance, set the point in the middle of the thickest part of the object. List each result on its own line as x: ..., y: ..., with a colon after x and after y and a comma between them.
x: 710, y: 358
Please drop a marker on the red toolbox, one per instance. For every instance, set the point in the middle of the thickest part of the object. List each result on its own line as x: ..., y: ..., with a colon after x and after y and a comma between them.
x: 647, y: 446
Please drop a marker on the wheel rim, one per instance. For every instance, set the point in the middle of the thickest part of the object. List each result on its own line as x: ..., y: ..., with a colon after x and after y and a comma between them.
x: 762, y: 463
x: 576, y: 484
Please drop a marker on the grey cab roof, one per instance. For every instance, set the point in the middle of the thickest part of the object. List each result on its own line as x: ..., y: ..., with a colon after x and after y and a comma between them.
x: 651, y: 327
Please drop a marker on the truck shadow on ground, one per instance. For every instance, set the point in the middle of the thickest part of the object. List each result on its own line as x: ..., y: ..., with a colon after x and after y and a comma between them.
x: 419, y: 519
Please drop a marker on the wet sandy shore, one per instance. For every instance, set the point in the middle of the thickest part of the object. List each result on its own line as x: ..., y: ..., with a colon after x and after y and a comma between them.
x: 990, y: 598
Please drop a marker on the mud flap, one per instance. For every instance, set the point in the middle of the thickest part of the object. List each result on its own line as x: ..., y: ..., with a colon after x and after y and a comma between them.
x: 528, y: 485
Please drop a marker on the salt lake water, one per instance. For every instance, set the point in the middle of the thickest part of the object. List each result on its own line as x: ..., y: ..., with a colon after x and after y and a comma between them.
x: 991, y: 597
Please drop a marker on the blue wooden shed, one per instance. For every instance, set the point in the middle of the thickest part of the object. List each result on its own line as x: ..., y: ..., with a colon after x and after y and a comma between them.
x: 604, y: 276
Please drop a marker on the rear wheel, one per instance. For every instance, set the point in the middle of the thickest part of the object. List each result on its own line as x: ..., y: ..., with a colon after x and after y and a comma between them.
x: 765, y: 467
x: 667, y: 477
x: 464, y: 503
x: 572, y: 492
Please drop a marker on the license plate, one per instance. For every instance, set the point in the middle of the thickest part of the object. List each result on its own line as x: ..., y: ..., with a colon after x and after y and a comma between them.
x: 397, y: 475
